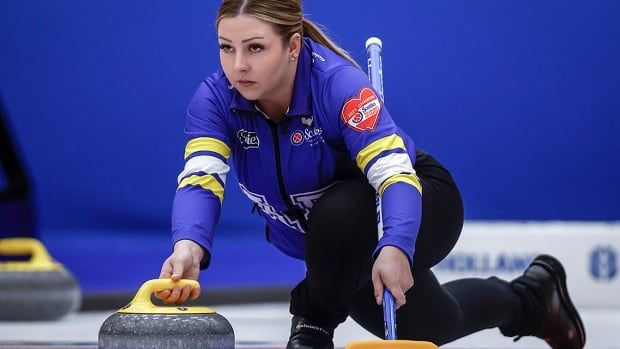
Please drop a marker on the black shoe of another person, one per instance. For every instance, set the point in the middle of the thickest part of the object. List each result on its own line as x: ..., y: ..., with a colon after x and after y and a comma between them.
x: 550, y: 314
x: 306, y: 335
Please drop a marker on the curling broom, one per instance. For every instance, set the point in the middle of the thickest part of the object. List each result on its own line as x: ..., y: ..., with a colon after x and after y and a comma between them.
x: 375, y: 74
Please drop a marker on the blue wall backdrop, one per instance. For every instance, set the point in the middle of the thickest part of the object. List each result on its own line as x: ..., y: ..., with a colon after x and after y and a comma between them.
x: 520, y: 99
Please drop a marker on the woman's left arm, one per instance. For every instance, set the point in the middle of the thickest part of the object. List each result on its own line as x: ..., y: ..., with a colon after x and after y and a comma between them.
x: 377, y: 146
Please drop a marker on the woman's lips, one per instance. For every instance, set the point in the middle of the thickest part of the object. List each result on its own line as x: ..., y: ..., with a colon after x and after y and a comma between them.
x: 246, y: 83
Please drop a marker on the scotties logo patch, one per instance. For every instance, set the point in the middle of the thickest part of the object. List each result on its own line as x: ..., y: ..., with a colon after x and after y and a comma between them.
x: 248, y: 139
x: 362, y: 112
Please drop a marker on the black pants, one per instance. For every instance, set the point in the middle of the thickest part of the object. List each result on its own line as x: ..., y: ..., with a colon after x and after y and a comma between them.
x: 341, y: 238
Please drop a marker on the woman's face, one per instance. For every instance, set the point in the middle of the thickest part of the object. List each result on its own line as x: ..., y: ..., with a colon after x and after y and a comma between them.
x: 253, y: 56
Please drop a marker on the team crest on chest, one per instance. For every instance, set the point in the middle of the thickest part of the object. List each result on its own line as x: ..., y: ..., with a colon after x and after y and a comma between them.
x: 307, y: 121
x: 362, y: 112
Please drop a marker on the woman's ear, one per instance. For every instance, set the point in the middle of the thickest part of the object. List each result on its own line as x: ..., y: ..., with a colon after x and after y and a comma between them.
x: 294, y: 45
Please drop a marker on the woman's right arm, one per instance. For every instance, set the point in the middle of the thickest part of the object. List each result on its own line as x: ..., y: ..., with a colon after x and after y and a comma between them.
x: 200, y: 192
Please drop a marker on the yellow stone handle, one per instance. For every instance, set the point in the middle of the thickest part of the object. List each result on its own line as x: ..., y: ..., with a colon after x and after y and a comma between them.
x: 40, y: 260
x: 390, y: 344
x: 142, y: 304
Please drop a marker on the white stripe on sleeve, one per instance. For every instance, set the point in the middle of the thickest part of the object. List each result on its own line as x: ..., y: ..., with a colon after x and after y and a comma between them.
x: 388, y: 166
x: 205, y: 163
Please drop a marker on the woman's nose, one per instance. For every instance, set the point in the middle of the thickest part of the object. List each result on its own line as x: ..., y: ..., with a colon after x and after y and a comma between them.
x: 240, y: 63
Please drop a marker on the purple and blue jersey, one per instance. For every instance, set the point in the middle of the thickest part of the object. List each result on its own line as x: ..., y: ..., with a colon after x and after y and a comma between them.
x: 336, y: 128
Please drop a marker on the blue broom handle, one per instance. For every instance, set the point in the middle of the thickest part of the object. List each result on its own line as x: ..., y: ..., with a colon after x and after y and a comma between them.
x: 375, y: 74
x: 375, y: 67
x: 389, y: 315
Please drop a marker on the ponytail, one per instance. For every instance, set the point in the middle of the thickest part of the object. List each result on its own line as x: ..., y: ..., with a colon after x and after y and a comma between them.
x: 317, y: 34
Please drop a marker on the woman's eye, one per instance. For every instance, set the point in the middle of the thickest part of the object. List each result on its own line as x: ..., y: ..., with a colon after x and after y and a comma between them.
x: 256, y: 48
x: 226, y: 48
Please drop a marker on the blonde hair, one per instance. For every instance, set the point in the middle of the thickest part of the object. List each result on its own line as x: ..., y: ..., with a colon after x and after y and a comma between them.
x: 287, y: 18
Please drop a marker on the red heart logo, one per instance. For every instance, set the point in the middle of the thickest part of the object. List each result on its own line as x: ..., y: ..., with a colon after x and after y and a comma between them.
x: 362, y: 112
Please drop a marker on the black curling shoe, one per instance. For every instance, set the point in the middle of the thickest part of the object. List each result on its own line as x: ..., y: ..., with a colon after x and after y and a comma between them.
x: 306, y: 335
x: 551, y: 315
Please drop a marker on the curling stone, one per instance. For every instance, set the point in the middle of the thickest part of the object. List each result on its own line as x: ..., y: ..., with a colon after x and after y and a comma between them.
x: 142, y: 324
x: 35, y: 289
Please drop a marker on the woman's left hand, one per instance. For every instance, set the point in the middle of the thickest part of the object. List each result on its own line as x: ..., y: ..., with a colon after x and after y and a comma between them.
x: 392, y: 270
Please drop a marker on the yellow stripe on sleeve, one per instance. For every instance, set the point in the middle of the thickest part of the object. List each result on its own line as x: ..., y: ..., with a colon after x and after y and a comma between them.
x: 207, y: 182
x: 207, y: 144
x: 410, y: 179
x: 373, y: 149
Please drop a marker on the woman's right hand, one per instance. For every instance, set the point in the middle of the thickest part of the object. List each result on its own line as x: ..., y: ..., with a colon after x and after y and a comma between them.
x: 183, y: 263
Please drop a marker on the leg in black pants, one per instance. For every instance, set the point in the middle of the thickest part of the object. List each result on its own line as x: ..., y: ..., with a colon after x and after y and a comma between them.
x: 342, y: 235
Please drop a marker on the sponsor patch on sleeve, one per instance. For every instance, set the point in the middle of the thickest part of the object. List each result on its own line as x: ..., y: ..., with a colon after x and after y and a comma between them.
x: 362, y: 112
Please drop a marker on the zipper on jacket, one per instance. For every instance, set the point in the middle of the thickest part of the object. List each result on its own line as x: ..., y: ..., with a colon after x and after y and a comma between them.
x: 291, y: 209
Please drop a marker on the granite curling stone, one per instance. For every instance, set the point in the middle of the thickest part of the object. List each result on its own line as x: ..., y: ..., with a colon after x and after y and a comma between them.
x: 37, y: 289
x: 142, y: 324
